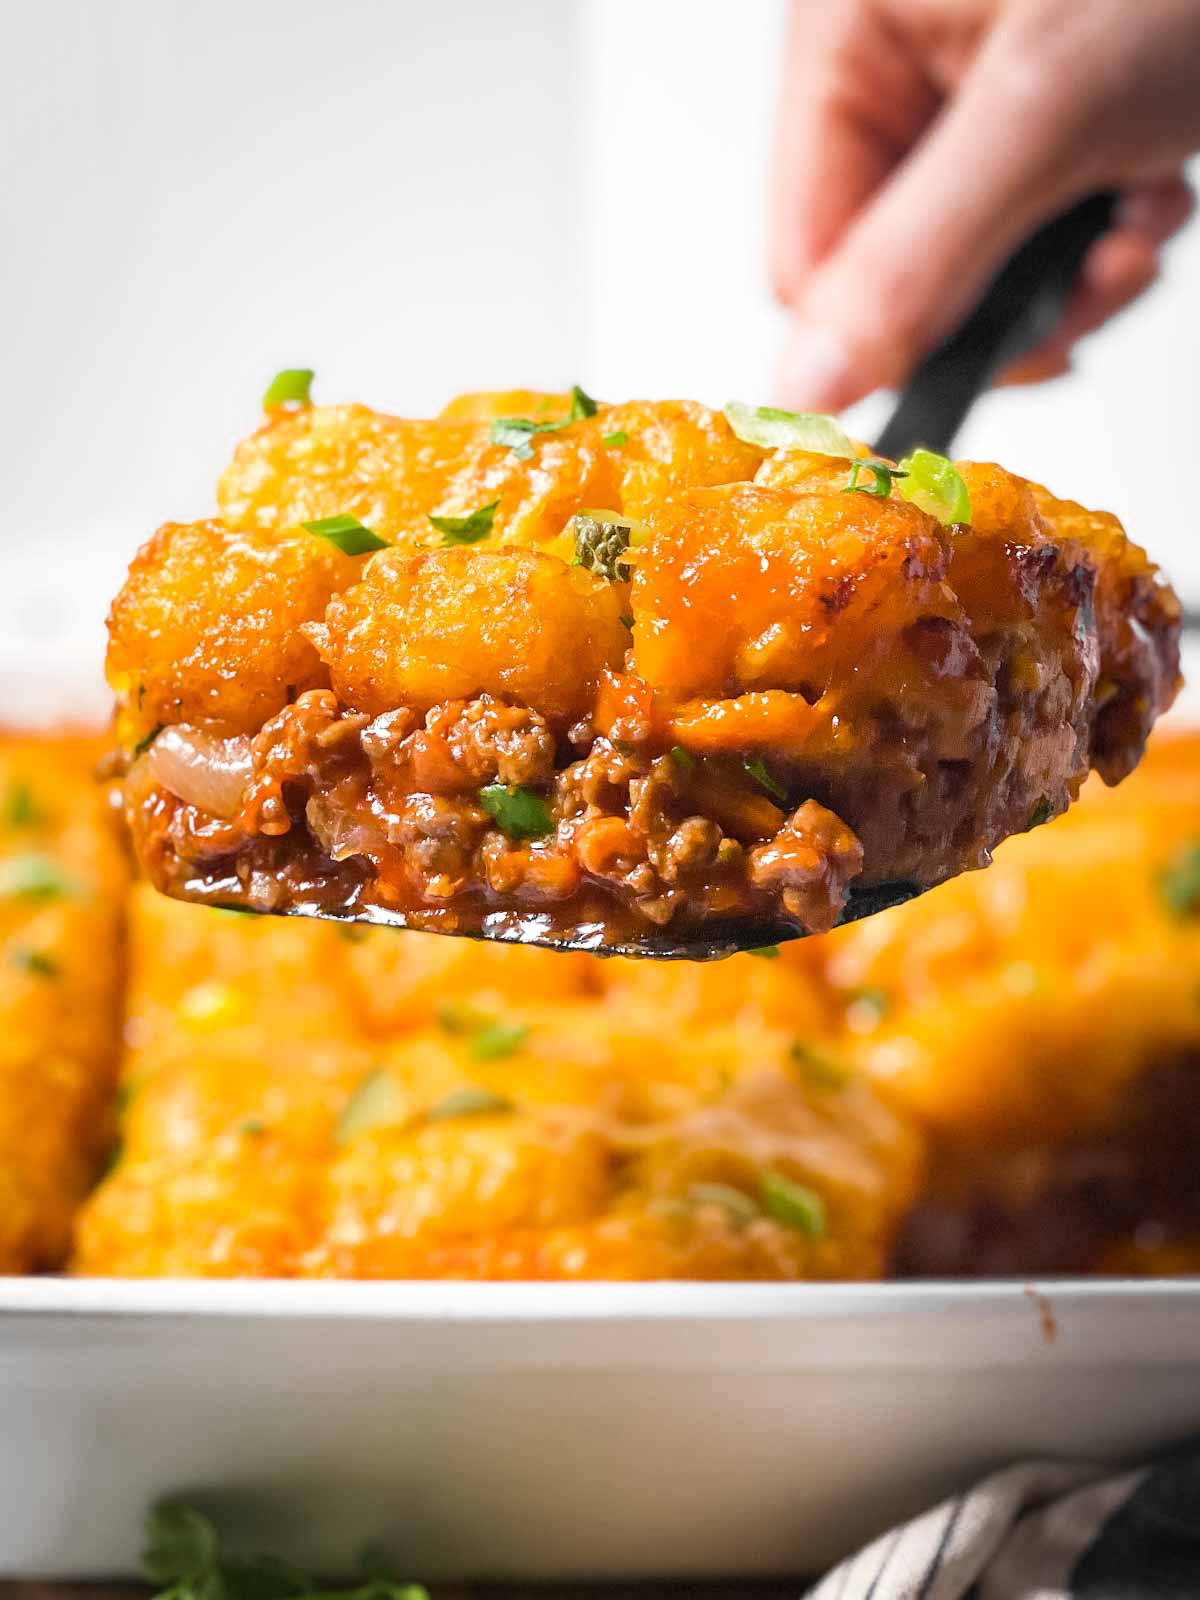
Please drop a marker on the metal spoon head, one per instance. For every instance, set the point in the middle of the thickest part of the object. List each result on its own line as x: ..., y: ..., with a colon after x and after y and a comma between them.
x: 713, y: 943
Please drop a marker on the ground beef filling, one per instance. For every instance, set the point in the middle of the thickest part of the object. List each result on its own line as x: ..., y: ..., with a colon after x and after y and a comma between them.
x: 336, y: 811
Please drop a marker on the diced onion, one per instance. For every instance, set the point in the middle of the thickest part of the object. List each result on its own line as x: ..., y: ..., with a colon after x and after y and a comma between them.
x: 201, y: 768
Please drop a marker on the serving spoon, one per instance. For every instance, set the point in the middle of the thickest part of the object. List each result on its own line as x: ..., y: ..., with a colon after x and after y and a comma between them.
x: 1021, y: 306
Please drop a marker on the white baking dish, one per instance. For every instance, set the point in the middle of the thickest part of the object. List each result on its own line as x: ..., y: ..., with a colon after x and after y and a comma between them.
x: 559, y: 1431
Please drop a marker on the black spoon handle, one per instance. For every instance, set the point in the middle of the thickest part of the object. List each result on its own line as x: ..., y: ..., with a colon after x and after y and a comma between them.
x: 1022, y: 306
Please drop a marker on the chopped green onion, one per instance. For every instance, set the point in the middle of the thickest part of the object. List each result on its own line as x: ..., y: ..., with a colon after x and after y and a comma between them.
x: 624, y: 619
x: 602, y: 538
x: 821, y: 1070
x: 455, y: 1017
x: 471, y: 1101
x: 935, y: 484
x: 35, y: 962
x: 736, y: 1203
x: 765, y: 952
x: 34, y: 877
x: 351, y: 933
x: 288, y: 388
x: 683, y: 759
x: 871, y: 1000
x: 615, y: 439
x: 147, y: 740
x: 499, y: 1039
x: 519, y: 812
x: 21, y: 809
x: 376, y: 1103
x: 757, y: 768
x: 881, y: 482
x: 1040, y: 813
x: 772, y: 429
x: 792, y: 1204
x: 582, y: 405
x: 252, y: 1128
x: 348, y: 533
x: 1179, y: 881
x: 469, y: 529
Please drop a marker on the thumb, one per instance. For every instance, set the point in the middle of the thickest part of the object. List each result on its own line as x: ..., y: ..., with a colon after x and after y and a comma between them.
x: 1001, y: 159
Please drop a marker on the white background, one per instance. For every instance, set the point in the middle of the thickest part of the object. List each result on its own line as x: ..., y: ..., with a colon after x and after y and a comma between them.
x: 415, y: 198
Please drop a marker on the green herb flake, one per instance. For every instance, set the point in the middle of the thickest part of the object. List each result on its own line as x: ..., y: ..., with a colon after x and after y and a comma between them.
x: 765, y: 952
x: 289, y: 388
x: 147, y: 740
x: 499, y: 1039
x: 470, y: 1101
x: 33, y: 877
x: 35, y: 962
x: 351, y: 933
x: 758, y: 770
x: 517, y: 433
x: 582, y: 405
x: 1179, y: 881
x: 616, y: 439
x: 820, y: 1070
x: 881, y: 481
x: 469, y: 529
x: 519, y: 812
x: 870, y: 1002
x: 347, y: 533
x: 252, y: 1128
x: 935, y: 484
x: 683, y: 759
x: 792, y: 1204
x: 772, y: 429
x: 455, y: 1017
x: 21, y: 809
x: 737, y: 1205
x: 1041, y: 812
x: 376, y: 1103
x: 624, y: 619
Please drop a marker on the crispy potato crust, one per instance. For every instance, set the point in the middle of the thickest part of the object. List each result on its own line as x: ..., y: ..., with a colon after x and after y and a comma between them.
x: 780, y: 692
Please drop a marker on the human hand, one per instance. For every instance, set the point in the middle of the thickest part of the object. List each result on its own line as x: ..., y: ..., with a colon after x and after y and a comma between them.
x: 919, y: 142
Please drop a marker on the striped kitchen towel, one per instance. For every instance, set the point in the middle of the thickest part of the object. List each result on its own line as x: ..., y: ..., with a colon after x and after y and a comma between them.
x: 1042, y: 1531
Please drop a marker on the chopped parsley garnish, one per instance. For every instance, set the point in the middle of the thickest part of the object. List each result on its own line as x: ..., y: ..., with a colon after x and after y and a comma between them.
x: 935, y: 484
x: 615, y: 439
x: 1179, y: 881
x: 582, y: 405
x: 184, y: 1556
x: 289, y: 388
x: 1040, y: 813
x: 36, y: 962
x: 772, y: 429
x: 470, y: 529
x: 21, y: 809
x: 683, y: 759
x: 33, y: 877
x: 470, y: 1101
x: 347, y: 533
x: 499, y: 1039
x: 792, y: 1204
x: 377, y: 1102
x: 881, y: 482
x: 765, y: 952
x: 518, y: 812
x: 147, y: 740
x: 738, y: 1206
x: 758, y: 770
